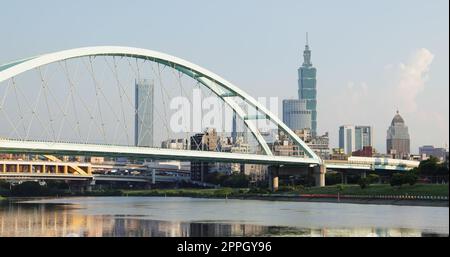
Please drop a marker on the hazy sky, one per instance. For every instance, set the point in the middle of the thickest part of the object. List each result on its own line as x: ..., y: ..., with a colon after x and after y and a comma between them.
x: 372, y: 56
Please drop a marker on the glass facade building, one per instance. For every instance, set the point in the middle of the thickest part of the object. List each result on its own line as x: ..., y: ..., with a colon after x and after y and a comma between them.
x: 295, y: 114
x: 363, y: 137
x: 347, y: 138
x: 354, y: 138
x: 307, y: 87
x: 143, y: 122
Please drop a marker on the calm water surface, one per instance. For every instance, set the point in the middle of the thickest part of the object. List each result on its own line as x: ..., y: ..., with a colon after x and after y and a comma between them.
x: 182, y: 216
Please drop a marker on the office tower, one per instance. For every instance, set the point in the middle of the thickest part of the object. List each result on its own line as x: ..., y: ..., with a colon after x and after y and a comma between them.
x: 354, y: 138
x: 295, y: 114
x: 347, y: 138
x: 307, y: 86
x: 143, y: 121
x: 397, y: 139
x: 363, y: 137
x: 234, y: 129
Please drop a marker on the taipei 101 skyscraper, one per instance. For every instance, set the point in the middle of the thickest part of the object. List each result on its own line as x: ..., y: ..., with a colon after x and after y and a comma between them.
x: 307, y: 86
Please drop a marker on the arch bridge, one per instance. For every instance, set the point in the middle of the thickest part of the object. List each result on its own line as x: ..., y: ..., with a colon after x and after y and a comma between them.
x: 231, y: 95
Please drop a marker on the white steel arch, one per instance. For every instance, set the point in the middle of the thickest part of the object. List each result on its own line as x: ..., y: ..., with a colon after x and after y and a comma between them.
x: 223, y: 88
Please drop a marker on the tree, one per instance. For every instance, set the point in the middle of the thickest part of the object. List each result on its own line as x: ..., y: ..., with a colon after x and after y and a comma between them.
x: 410, y: 177
x: 363, y: 182
x: 373, y: 178
x: 397, y: 179
x: 434, y: 168
x: 429, y: 166
x: 237, y: 180
x: 215, y: 178
x: 370, y: 179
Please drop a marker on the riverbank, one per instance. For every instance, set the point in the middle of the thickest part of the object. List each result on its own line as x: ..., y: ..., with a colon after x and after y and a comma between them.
x: 381, y: 189
x: 415, y: 195
x: 401, y: 202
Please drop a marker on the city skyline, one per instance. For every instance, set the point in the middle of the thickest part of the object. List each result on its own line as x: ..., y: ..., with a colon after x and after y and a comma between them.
x: 360, y: 80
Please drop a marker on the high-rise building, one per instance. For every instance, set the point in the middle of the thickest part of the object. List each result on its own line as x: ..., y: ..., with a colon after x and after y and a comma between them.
x: 307, y: 86
x: 143, y: 121
x: 353, y: 138
x: 363, y: 137
x: 397, y: 139
x: 347, y: 138
x: 295, y: 114
x: 234, y: 128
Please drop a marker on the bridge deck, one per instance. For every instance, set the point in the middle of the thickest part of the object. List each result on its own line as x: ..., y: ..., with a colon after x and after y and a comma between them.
x: 35, y: 147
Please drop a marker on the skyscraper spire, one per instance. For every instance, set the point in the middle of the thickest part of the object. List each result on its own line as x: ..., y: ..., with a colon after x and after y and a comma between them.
x: 307, y: 54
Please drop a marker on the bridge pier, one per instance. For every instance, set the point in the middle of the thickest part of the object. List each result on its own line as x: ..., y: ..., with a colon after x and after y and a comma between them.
x: 274, y: 172
x: 89, y: 185
x: 319, y: 175
x: 153, y: 176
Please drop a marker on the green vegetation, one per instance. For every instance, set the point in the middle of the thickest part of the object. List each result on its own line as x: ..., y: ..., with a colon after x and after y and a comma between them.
x: 237, y: 185
x: 409, y: 177
x: 235, y: 180
x: 192, y: 192
x: 381, y: 189
x: 365, y: 182
x: 2, y: 198
x: 374, y: 189
x: 432, y: 167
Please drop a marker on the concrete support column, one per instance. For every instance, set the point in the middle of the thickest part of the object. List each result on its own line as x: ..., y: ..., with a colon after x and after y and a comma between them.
x: 30, y: 168
x: 363, y: 174
x: 319, y: 175
x: 273, y: 178
x: 56, y: 169
x: 66, y: 169
x: 4, y: 167
x: 153, y: 176
x: 88, y: 185
x: 17, y: 168
x: 43, y: 168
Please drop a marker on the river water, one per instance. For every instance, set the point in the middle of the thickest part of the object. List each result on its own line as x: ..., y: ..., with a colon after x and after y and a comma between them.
x: 183, y: 216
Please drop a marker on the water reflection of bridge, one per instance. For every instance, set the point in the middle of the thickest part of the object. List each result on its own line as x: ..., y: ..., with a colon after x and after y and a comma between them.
x: 65, y: 220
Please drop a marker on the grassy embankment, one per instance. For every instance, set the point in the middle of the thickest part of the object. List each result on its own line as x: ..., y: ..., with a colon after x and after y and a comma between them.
x: 193, y: 192
x: 419, y: 189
